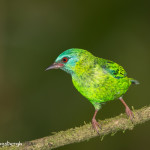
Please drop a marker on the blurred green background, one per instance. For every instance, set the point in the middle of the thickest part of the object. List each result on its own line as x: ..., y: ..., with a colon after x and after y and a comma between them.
x: 35, y: 103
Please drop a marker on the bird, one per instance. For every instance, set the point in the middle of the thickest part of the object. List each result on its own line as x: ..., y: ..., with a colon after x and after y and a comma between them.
x: 98, y: 80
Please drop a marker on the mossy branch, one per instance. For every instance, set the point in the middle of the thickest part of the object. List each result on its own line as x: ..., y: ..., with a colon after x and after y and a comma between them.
x: 86, y: 132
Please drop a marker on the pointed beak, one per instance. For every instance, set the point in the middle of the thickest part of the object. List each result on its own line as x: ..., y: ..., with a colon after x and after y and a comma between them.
x: 55, y: 66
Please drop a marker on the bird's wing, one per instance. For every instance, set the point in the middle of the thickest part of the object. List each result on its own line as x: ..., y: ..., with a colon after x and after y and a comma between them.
x: 113, y: 68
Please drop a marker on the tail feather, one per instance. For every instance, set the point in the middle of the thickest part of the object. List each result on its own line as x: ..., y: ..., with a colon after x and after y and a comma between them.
x: 133, y: 81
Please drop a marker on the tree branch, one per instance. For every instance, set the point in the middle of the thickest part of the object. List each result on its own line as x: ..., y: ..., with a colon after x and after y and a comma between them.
x: 86, y: 132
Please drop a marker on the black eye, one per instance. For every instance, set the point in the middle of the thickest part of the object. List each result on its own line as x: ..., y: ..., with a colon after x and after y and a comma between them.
x: 65, y: 59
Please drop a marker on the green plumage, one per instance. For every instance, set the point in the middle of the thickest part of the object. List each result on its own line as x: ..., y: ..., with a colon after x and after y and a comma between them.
x: 98, y: 79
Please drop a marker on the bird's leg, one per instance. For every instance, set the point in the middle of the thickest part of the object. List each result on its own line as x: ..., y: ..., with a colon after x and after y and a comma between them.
x: 95, y: 124
x: 128, y: 111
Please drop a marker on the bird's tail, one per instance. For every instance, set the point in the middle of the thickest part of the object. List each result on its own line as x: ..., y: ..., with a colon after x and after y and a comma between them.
x: 133, y: 81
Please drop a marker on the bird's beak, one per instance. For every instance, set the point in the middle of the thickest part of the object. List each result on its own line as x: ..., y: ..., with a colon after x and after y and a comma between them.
x: 55, y: 66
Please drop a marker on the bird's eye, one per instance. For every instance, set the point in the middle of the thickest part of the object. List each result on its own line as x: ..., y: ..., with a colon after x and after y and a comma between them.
x: 65, y: 59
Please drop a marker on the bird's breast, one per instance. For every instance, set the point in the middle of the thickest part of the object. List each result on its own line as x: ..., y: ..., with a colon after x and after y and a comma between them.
x: 99, y: 85
x: 89, y: 82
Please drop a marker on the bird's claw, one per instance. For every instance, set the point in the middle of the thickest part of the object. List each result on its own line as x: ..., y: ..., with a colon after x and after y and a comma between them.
x: 129, y: 113
x: 96, y: 126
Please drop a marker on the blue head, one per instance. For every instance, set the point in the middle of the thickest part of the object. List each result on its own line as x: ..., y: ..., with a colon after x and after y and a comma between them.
x: 68, y: 59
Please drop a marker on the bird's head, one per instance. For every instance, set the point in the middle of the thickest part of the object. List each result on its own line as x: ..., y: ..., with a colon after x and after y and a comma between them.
x: 68, y: 59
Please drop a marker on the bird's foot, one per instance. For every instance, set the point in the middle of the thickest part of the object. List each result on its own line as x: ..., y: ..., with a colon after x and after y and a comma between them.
x: 129, y: 113
x: 96, y: 125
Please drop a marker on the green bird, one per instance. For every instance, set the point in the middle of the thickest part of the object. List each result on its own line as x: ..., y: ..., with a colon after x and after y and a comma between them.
x: 97, y: 79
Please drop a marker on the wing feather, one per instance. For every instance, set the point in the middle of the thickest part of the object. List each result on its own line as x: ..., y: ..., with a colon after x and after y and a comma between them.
x: 114, y: 69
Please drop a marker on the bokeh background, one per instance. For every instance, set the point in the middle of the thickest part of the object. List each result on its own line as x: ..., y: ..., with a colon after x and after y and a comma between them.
x: 35, y: 103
